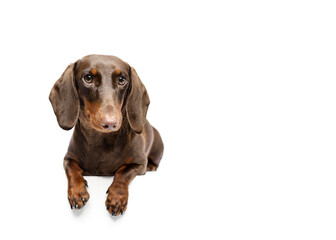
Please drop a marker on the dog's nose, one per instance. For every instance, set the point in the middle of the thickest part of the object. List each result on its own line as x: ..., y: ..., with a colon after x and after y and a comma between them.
x: 109, y: 122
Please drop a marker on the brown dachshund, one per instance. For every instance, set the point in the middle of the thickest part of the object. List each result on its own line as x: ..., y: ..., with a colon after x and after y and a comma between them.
x: 104, y: 98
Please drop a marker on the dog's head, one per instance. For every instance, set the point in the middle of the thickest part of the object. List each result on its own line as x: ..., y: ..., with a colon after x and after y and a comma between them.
x: 100, y: 91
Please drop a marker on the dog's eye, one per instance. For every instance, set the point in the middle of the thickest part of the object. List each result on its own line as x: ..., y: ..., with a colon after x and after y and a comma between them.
x: 121, y: 81
x: 88, y: 78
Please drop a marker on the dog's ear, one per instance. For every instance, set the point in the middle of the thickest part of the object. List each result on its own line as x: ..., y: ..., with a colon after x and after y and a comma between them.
x: 64, y: 99
x: 137, y: 103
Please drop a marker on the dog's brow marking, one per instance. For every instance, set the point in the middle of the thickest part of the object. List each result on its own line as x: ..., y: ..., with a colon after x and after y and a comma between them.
x: 93, y: 71
x: 117, y: 72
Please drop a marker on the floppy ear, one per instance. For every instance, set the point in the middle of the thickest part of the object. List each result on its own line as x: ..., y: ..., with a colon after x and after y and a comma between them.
x: 137, y: 103
x: 64, y: 99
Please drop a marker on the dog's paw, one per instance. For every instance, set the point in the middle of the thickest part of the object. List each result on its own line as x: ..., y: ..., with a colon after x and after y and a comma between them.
x: 116, y: 201
x: 78, y: 195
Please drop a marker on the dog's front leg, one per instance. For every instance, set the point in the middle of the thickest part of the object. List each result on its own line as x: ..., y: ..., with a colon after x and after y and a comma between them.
x: 77, y: 193
x: 116, y: 201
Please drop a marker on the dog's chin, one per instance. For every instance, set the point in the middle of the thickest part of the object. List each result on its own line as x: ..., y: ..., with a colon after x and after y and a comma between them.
x: 103, y: 130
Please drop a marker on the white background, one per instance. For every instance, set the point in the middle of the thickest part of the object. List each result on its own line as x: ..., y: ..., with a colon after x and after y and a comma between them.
x: 242, y: 92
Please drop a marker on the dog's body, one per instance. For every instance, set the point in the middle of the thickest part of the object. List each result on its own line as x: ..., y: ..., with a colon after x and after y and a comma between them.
x: 102, y: 154
x: 105, y: 100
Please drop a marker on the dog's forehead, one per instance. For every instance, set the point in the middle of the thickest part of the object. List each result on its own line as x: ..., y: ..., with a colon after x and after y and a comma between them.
x: 103, y: 62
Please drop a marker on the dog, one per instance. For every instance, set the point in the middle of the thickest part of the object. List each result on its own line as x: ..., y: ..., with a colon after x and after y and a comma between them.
x: 105, y: 100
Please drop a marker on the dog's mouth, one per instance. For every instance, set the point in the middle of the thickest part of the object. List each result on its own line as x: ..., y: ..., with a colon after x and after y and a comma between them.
x: 103, y: 126
x: 107, y: 123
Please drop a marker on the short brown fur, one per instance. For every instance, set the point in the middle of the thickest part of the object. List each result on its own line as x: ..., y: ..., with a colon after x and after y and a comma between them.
x: 112, y: 136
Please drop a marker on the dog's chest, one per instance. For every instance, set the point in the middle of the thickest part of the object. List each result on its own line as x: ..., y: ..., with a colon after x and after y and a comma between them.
x: 103, y: 160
